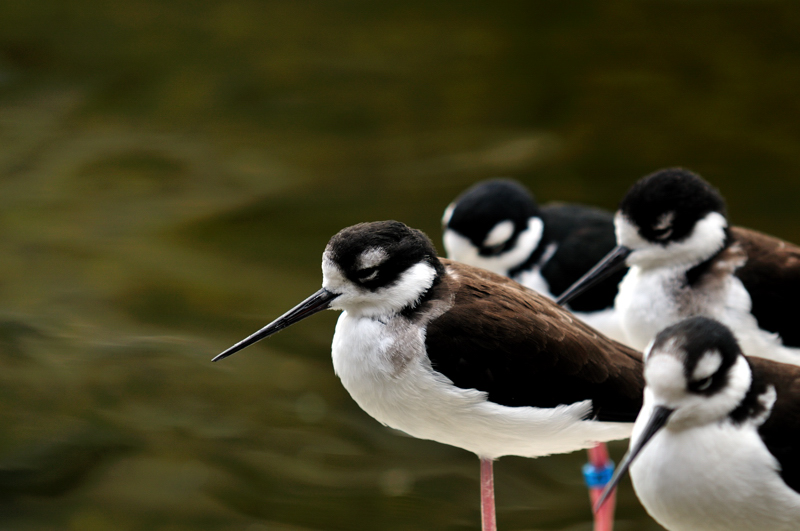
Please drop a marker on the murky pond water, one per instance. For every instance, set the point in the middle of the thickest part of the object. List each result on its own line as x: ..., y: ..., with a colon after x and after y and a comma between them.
x: 170, y: 173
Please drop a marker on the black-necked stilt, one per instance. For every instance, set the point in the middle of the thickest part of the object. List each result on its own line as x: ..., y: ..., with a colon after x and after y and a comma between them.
x: 459, y: 355
x: 717, y: 443
x: 685, y: 260
x: 498, y: 225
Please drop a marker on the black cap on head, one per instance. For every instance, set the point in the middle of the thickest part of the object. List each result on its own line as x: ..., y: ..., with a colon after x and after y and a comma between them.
x: 403, y: 246
x: 665, y: 205
x: 696, y: 336
x: 487, y: 203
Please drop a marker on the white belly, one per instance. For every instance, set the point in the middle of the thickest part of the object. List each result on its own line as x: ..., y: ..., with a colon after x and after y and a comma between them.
x: 386, y: 371
x: 651, y: 300
x: 717, y: 477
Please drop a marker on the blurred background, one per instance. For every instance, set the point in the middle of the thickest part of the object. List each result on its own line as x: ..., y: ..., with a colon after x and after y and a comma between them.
x: 171, y: 170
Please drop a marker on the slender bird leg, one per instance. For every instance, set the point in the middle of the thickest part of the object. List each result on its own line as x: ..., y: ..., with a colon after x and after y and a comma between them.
x: 487, y: 496
x: 598, y: 473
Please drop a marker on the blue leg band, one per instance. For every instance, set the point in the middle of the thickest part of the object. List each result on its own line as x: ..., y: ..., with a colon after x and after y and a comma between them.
x: 597, y: 477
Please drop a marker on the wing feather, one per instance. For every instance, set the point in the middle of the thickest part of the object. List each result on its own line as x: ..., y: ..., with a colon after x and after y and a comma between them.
x: 781, y: 430
x: 524, y: 350
x: 771, y: 275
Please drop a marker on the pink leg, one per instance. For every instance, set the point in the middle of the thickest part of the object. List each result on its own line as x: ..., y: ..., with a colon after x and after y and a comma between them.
x: 487, y: 495
x: 604, y: 518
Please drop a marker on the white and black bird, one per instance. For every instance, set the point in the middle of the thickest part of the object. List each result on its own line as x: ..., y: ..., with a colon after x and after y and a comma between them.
x: 459, y: 355
x: 684, y: 260
x: 717, y: 444
x: 498, y: 225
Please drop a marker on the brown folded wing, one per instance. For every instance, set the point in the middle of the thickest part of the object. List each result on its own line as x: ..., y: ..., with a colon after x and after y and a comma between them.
x: 771, y: 275
x: 524, y: 350
x: 781, y: 431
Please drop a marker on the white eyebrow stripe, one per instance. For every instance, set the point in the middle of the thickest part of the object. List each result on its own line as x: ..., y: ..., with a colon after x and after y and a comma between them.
x: 708, y: 364
x: 500, y: 233
x: 371, y: 258
x: 665, y: 220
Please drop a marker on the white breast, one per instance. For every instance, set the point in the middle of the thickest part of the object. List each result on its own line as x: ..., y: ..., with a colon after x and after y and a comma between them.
x: 646, y: 304
x: 384, y: 368
x: 714, y: 477
x: 650, y: 300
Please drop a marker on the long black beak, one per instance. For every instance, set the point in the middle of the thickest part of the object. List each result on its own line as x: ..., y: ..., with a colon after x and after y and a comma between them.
x: 319, y: 301
x: 657, y: 421
x: 610, y: 264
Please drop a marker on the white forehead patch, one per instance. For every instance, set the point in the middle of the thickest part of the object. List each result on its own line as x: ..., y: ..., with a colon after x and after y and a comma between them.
x: 499, y: 234
x: 664, y: 223
x: 708, y: 364
x: 371, y: 258
x: 671, y: 346
x: 664, y: 375
x: 448, y: 213
x: 332, y: 277
x: 627, y: 232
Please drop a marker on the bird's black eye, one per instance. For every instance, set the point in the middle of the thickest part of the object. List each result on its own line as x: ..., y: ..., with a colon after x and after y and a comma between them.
x: 367, y: 274
x: 495, y: 249
x: 662, y: 228
x: 702, y: 384
x: 662, y: 233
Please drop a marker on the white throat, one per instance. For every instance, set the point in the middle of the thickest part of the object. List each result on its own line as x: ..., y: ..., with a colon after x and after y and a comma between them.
x: 706, y: 239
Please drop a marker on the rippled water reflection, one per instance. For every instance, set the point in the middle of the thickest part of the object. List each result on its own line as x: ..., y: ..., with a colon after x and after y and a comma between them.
x: 171, y: 172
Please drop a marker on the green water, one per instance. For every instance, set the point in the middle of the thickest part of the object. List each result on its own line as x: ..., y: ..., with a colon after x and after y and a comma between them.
x: 170, y: 172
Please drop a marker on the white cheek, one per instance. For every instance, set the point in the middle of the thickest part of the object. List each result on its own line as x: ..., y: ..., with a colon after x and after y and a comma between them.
x: 385, y: 301
x: 707, y: 238
x: 667, y: 387
x: 461, y: 249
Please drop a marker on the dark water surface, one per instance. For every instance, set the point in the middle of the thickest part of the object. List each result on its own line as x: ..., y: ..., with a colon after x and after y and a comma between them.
x: 170, y: 172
